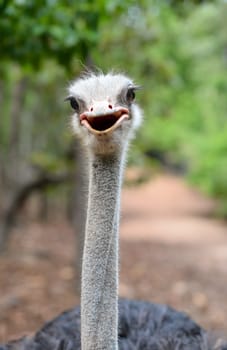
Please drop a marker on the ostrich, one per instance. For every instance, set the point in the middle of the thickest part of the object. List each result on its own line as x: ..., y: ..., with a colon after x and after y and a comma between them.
x: 105, y: 118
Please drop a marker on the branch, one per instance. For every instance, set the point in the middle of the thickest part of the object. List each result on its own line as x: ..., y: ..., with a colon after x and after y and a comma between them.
x: 20, y: 197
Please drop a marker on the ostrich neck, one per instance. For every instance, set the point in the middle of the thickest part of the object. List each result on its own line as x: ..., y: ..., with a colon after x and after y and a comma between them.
x: 99, y: 301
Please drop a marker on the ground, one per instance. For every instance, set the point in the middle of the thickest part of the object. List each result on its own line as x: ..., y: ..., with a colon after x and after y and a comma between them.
x: 172, y: 251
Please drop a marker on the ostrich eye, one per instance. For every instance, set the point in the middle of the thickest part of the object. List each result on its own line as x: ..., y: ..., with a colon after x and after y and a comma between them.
x: 74, y: 103
x: 130, y: 96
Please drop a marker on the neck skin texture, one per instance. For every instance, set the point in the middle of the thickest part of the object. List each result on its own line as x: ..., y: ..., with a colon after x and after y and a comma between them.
x: 99, y: 291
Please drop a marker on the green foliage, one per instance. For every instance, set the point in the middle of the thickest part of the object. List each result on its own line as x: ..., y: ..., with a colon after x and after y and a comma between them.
x: 48, y: 162
x: 176, y: 50
x: 32, y: 31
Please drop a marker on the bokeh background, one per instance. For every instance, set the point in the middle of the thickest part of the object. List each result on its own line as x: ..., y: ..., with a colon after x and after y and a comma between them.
x: 174, y: 205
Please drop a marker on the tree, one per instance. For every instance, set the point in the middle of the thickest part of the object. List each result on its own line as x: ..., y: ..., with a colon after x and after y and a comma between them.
x: 38, y: 52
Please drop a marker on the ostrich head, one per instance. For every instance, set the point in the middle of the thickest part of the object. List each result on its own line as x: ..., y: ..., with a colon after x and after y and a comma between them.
x: 105, y: 114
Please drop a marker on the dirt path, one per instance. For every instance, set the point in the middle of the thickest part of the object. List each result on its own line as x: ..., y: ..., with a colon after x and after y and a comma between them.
x: 171, y: 252
x: 178, y: 253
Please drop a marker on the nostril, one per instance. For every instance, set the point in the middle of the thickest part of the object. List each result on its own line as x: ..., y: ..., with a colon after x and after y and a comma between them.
x: 110, y: 106
x: 91, y: 109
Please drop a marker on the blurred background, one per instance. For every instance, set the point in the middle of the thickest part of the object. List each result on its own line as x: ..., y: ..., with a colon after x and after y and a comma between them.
x: 174, y: 203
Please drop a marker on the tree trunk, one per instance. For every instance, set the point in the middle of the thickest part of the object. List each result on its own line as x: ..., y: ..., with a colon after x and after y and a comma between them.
x: 18, y: 99
x: 78, y: 204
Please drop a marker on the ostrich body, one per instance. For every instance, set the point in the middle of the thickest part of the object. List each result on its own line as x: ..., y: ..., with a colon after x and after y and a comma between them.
x: 105, y: 118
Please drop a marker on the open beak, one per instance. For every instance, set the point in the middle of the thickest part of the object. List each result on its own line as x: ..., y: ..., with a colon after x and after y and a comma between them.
x: 104, y: 120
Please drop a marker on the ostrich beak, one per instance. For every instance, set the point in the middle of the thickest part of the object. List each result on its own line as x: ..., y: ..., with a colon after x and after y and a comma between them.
x: 103, y: 118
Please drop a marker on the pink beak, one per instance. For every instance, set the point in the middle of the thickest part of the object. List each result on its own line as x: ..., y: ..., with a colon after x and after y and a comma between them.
x: 103, y: 118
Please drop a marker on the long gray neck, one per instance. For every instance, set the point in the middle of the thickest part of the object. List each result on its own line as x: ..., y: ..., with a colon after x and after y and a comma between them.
x: 99, y: 301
